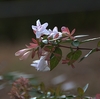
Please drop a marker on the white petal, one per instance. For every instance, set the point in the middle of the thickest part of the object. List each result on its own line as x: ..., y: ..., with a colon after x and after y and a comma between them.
x: 36, y: 61
x: 45, y: 25
x: 42, y: 63
x: 47, y: 69
x: 55, y: 29
x: 34, y: 27
x: 60, y: 34
x: 38, y: 23
x: 38, y: 34
x: 46, y: 32
x: 34, y: 65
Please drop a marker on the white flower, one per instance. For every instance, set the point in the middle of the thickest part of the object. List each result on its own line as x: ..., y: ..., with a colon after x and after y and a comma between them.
x: 55, y: 34
x: 40, y: 29
x: 41, y: 65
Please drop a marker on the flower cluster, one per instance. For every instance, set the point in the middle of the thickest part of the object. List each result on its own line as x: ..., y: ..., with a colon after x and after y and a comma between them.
x: 20, y: 89
x: 47, y: 45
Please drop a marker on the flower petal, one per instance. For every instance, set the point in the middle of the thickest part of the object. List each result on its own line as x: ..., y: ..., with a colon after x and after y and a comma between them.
x: 34, y: 27
x: 46, y: 69
x: 55, y: 29
x: 45, y: 25
x: 38, y: 23
x: 38, y: 34
x: 25, y: 55
x: 21, y: 52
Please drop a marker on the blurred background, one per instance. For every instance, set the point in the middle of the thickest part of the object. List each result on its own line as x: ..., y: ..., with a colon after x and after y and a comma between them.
x: 16, y: 19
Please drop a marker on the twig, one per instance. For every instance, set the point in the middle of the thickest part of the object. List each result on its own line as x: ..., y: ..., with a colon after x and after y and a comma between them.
x: 97, y: 49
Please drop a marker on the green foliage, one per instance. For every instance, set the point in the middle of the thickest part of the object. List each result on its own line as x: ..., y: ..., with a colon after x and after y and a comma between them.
x: 75, y: 43
x: 98, y: 44
x: 39, y: 90
x: 81, y: 92
x: 55, y: 58
x: 73, y: 56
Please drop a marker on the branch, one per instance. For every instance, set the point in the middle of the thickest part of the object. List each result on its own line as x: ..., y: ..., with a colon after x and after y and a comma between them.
x: 78, y: 48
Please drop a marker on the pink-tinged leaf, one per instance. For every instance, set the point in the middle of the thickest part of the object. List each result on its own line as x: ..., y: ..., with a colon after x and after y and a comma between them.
x: 39, y: 52
x: 65, y: 61
x: 33, y: 53
x: 68, y: 31
x: 47, y: 49
x: 33, y: 45
x: 73, y: 31
x: 35, y: 41
x: 72, y: 65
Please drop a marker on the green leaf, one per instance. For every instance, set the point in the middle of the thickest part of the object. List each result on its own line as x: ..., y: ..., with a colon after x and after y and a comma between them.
x: 73, y: 56
x: 85, y: 87
x: 88, y: 40
x: 42, y: 86
x: 58, y: 91
x: 80, y: 91
x: 98, y: 45
x: 90, y: 52
x: 75, y: 43
x: 55, y: 58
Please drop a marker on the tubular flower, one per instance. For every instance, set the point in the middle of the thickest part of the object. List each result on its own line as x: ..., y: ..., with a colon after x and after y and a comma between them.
x: 24, y: 53
x: 55, y: 34
x: 66, y: 32
x: 39, y: 29
x: 41, y: 65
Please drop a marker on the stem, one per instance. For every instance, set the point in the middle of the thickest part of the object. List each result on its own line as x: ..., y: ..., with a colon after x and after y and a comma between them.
x: 77, y: 48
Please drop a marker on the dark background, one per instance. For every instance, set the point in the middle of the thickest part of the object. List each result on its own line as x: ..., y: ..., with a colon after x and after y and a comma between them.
x: 16, y: 17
